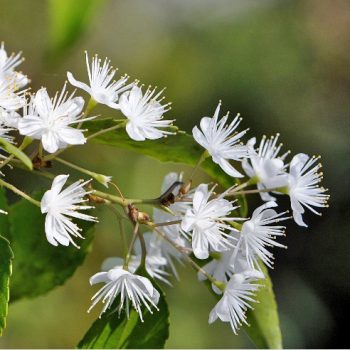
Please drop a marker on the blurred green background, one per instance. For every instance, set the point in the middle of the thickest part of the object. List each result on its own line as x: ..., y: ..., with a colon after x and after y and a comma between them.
x: 284, y: 65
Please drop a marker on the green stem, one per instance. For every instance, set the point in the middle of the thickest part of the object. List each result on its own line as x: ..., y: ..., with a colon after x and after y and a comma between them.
x: 110, y: 197
x: 133, y: 239
x: 90, y: 106
x: 40, y: 150
x: 120, y: 218
x: 103, y: 131
x: 239, y: 193
x: 143, y: 248
x: 168, y: 223
x: 76, y: 167
x: 98, y: 177
x: 251, y: 181
x: 54, y: 155
x: 204, y: 155
x: 124, y: 201
x: 236, y: 225
x: 19, y: 192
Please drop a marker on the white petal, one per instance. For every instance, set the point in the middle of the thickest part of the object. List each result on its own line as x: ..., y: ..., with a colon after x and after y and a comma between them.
x: 134, y: 132
x: 78, y: 84
x: 228, y: 168
x: 71, y: 136
x: 298, y: 218
x: 43, y: 102
x: 71, y: 107
x: 99, y: 277
x: 200, y: 245
x: 199, y: 137
x: 200, y: 196
x: 50, y: 142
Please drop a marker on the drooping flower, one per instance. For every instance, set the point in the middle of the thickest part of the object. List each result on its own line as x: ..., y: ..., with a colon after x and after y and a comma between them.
x: 266, y: 165
x: 207, y: 221
x: 259, y: 233
x: 130, y: 287
x: 7, y: 68
x: 221, y: 267
x: 224, y: 265
x: 239, y: 292
x: 145, y: 114
x: 62, y: 205
x: 303, y: 186
x: 103, y: 88
x: 51, y: 120
x: 221, y: 141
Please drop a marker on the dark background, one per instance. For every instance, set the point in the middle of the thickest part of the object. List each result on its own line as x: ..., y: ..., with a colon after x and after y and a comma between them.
x: 285, y: 66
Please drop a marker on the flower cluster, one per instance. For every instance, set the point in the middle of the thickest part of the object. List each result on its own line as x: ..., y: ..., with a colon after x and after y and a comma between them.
x: 188, y: 222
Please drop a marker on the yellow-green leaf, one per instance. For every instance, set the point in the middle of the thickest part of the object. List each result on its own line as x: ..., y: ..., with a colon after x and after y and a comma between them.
x: 6, y: 257
x: 10, y: 148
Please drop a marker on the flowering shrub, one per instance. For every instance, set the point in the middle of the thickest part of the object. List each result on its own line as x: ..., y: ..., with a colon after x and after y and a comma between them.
x: 206, y: 226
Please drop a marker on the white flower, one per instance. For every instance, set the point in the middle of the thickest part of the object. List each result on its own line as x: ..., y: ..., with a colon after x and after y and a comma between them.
x: 4, y: 130
x: 118, y: 282
x: 207, y: 222
x: 59, y: 205
x: 50, y: 120
x: 9, y: 118
x: 260, y: 232
x: 145, y: 114
x: 220, y: 141
x: 3, y: 134
x: 8, y: 65
x: 10, y: 99
x: 239, y: 292
x: 266, y: 165
x: 224, y: 265
x: 303, y: 186
x: 103, y: 88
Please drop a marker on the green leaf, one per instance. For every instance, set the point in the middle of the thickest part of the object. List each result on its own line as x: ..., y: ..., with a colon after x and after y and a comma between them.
x: 178, y: 149
x: 113, y: 332
x: 10, y: 148
x: 68, y: 21
x: 264, y: 327
x: 38, y: 266
x: 6, y: 256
